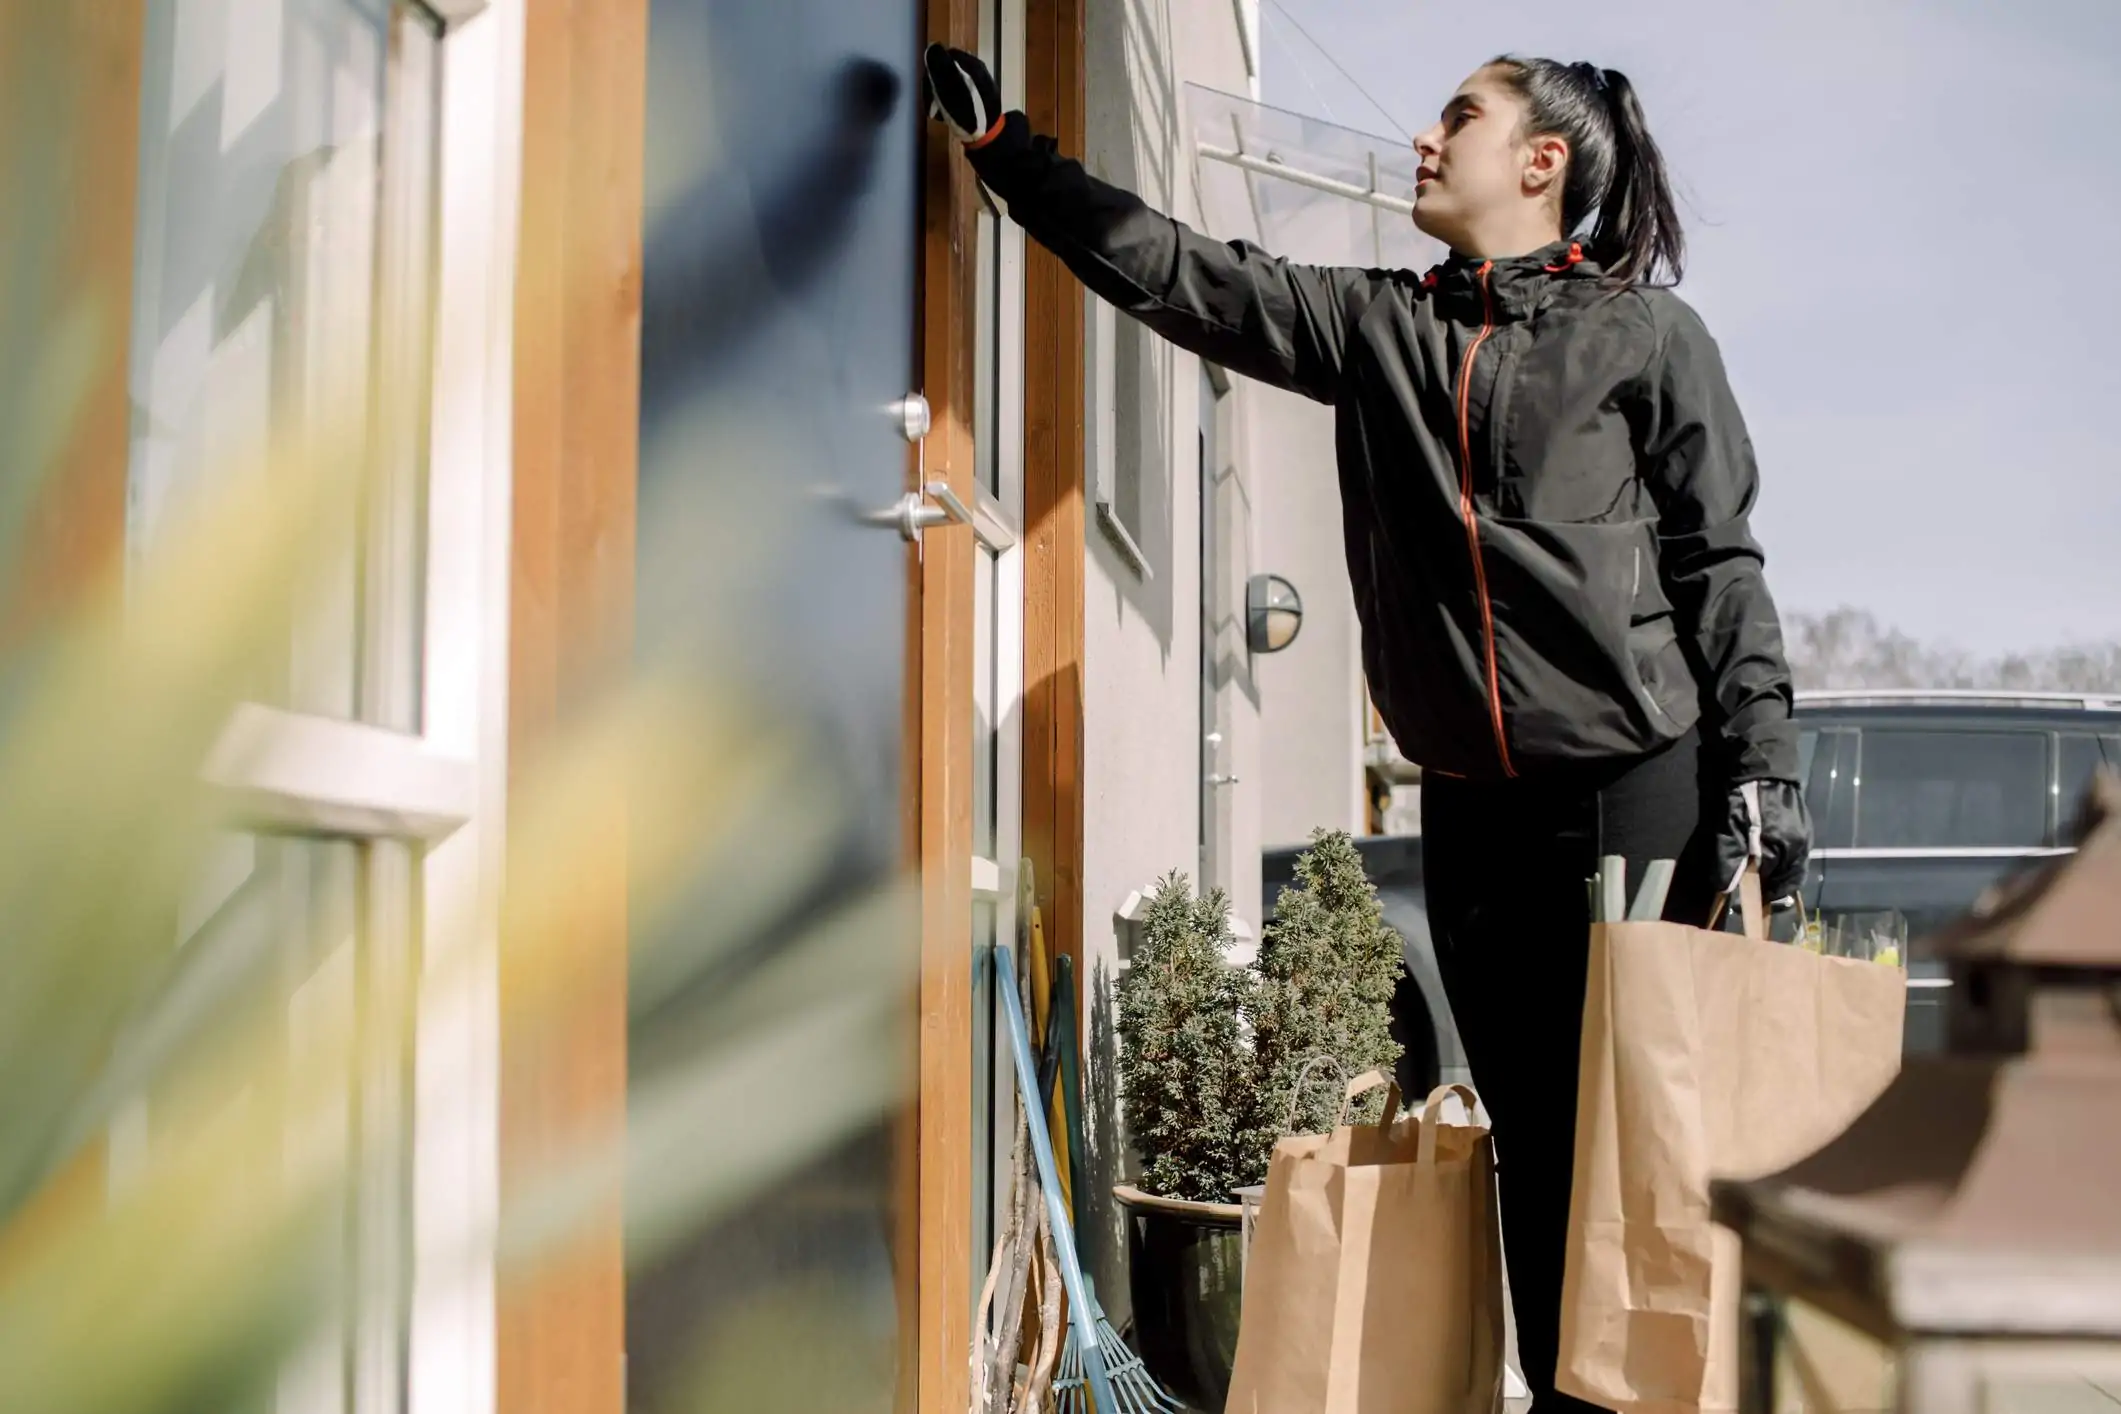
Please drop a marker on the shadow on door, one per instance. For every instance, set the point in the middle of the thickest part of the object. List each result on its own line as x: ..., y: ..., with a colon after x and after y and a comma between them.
x: 778, y: 336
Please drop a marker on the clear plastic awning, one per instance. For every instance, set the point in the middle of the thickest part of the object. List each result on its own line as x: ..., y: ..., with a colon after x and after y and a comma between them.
x: 1304, y: 188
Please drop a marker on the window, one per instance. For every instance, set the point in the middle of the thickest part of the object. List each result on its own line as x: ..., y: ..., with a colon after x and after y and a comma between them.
x: 289, y: 319
x: 1921, y: 789
x: 284, y: 255
x: 1828, y: 762
x: 328, y: 925
x: 1116, y: 352
x: 998, y: 646
x: 1214, y: 863
x: 2079, y: 756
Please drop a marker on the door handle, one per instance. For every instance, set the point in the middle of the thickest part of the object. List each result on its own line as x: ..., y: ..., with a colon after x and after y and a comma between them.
x: 911, y: 513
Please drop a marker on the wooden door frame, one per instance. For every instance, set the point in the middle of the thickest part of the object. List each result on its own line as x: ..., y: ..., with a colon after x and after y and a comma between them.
x: 940, y: 726
x: 70, y: 74
x: 1054, y: 555
x: 70, y: 150
x: 936, y: 1344
x: 561, y: 1323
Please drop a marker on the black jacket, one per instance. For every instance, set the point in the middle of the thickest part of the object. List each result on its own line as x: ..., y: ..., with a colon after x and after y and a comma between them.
x: 1544, y: 480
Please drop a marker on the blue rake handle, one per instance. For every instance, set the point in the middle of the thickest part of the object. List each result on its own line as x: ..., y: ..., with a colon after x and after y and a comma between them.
x: 1080, y: 1313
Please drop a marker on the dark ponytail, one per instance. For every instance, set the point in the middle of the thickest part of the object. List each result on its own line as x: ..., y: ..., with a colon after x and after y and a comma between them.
x: 1615, y: 169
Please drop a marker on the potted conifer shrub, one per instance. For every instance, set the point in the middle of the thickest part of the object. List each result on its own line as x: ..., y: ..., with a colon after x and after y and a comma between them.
x: 1185, y: 1068
x: 1328, y: 965
x: 1210, y: 1061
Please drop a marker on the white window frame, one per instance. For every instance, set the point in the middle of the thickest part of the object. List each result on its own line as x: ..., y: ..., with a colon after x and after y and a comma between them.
x: 442, y: 790
x: 1101, y: 428
x: 452, y: 1344
x: 998, y: 632
x: 998, y: 657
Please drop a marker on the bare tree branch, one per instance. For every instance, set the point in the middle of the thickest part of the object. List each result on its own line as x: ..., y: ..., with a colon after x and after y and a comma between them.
x: 1849, y: 648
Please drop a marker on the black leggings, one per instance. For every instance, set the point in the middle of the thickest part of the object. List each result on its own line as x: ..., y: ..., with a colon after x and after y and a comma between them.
x: 1504, y: 867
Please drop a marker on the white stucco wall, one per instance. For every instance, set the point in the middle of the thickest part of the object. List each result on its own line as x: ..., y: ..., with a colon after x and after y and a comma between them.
x: 1291, y: 722
x: 1142, y: 643
x: 1310, y: 693
x: 1142, y: 648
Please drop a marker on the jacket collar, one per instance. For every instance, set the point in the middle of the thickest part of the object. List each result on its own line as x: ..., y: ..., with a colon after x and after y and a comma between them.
x: 1516, y: 285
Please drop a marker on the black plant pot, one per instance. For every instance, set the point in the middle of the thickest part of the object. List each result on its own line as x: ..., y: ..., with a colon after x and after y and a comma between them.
x: 1185, y: 1273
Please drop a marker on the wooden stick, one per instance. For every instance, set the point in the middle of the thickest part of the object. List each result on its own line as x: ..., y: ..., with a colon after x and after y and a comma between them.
x: 1049, y: 1317
x: 982, y: 1347
x: 1009, y: 1309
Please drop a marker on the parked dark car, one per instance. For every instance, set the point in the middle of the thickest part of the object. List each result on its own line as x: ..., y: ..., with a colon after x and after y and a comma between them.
x: 1421, y: 1019
x: 1921, y: 800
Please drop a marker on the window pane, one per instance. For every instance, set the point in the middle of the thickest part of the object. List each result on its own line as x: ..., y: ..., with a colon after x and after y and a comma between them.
x: 302, y: 951
x: 395, y: 586
x: 281, y: 258
x: 1945, y: 790
x: 1133, y: 364
x: 986, y: 1025
x: 2081, y: 756
x: 986, y: 372
x: 986, y: 706
x: 1830, y: 789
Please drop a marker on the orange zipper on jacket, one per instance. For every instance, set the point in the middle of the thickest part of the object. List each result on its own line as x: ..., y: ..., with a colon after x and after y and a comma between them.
x: 1465, y: 510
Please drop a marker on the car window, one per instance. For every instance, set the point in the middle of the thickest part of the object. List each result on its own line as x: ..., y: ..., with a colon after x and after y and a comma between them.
x: 2081, y: 754
x: 1952, y: 789
x: 1829, y: 762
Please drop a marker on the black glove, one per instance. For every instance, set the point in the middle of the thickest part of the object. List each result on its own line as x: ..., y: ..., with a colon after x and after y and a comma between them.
x: 1777, y: 832
x: 962, y: 93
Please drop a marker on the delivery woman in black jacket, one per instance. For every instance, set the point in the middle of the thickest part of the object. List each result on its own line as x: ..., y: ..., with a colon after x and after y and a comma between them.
x: 1545, y: 484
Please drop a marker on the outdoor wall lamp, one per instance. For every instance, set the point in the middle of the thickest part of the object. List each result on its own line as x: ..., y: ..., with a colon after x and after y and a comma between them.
x: 1274, y: 611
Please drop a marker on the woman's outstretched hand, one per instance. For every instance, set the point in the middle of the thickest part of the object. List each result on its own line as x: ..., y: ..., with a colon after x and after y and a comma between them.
x: 1768, y: 821
x: 962, y: 93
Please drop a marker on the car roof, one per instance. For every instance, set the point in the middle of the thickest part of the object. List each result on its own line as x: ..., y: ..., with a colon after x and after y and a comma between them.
x: 1953, y: 702
x: 1384, y: 858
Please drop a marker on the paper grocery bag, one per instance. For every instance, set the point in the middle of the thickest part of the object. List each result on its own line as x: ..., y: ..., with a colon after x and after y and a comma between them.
x: 1374, y: 1284
x: 1704, y: 1053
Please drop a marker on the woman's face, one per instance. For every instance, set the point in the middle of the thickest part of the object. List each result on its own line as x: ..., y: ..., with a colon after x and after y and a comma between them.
x: 1475, y: 161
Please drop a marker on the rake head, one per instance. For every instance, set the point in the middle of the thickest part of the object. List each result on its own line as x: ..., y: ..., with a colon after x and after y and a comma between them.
x: 1132, y: 1385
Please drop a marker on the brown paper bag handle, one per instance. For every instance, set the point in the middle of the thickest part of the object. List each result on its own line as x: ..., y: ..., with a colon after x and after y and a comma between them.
x: 1752, y: 912
x: 1362, y: 1085
x: 1303, y: 1078
x: 1432, y: 1113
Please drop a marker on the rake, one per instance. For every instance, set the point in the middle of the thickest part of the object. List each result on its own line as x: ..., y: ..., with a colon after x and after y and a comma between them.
x: 1096, y: 1367
x: 1136, y: 1389
x: 1131, y: 1381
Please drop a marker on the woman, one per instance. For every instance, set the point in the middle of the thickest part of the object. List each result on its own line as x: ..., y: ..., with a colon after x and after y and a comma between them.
x: 1545, y: 484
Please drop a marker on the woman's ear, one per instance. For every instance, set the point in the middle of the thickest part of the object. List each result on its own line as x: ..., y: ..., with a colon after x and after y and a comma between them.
x: 1546, y: 164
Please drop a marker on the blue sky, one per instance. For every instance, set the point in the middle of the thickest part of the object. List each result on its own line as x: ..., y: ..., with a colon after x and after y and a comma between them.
x: 1905, y: 219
